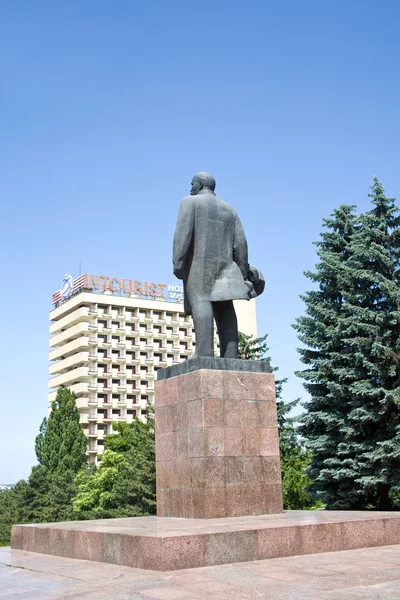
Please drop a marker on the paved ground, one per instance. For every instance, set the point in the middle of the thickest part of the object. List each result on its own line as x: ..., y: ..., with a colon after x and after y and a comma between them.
x: 372, y: 573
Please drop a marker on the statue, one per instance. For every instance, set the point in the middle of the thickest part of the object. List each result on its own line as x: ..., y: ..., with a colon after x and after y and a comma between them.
x: 210, y: 256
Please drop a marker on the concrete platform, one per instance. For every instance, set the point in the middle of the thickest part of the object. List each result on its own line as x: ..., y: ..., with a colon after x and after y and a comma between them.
x: 165, y: 544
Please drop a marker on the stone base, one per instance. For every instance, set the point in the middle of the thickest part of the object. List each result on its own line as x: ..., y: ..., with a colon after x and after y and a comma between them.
x: 217, y: 444
x: 165, y: 544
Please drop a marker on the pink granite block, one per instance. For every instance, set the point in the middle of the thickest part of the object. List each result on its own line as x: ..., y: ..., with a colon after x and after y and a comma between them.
x: 252, y: 441
x: 88, y: 545
x: 166, y: 446
x: 237, y: 385
x: 182, y: 443
x: 212, y: 384
x: 265, y: 387
x: 160, y: 418
x: 197, y: 472
x: 215, y: 503
x: 142, y: 552
x: 166, y: 392
x: 213, y: 412
x: 28, y: 538
x: 364, y: 534
x: 269, y: 441
x: 254, y: 499
x: 215, y: 471
x: 234, y: 470
x: 184, y: 552
x: 162, y: 474
x: 320, y: 538
x: 113, y: 548
x: 172, y: 418
x: 392, y: 531
x: 198, y: 502
x: 273, y: 499
x: 234, y: 442
x: 179, y: 474
x: 195, y: 413
x: 235, y: 500
x: 196, y: 443
x: 230, y: 547
x: 271, y: 469
x: 17, y: 537
x: 251, y: 410
x: 275, y: 542
x: 61, y: 542
x: 188, y: 386
x: 187, y: 503
x: 161, y: 446
x: 259, y: 413
x: 182, y: 416
x: 175, y: 502
x: 253, y: 472
x: 162, y: 502
x: 214, y: 441
x: 42, y: 540
x: 233, y: 413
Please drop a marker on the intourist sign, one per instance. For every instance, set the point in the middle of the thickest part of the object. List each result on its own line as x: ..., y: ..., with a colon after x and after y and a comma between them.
x: 121, y: 287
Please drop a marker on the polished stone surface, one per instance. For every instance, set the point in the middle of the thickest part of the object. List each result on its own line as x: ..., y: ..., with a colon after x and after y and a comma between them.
x: 217, y: 445
x: 367, y: 574
x: 168, y: 544
x: 194, y: 363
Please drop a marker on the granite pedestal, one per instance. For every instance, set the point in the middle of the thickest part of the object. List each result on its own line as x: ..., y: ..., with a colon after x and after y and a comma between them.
x: 217, y: 446
x: 164, y: 544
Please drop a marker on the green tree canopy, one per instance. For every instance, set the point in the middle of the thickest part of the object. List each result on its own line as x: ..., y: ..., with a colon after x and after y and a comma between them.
x: 351, y: 333
x: 125, y: 482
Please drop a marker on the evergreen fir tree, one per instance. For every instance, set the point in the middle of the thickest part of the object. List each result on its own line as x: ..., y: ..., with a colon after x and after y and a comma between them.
x: 325, y: 377
x: 352, y: 332
x: 371, y: 331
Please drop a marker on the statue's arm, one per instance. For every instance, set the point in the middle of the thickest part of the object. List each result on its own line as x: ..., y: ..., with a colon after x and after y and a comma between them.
x: 183, y: 238
x: 240, y: 252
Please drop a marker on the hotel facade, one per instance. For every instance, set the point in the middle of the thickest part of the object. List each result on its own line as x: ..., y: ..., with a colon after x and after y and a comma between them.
x: 109, y: 337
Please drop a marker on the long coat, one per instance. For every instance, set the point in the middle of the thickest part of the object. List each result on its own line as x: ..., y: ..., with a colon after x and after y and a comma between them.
x: 210, y: 251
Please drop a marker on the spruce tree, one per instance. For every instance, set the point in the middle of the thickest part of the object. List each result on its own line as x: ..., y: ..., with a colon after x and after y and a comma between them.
x: 324, y: 356
x: 371, y: 331
x: 351, y: 331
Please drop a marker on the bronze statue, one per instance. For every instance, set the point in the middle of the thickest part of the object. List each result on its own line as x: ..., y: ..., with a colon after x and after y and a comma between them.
x: 210, y: 256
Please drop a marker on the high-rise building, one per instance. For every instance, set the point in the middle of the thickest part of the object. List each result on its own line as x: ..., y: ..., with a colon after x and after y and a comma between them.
x: 109, y: 338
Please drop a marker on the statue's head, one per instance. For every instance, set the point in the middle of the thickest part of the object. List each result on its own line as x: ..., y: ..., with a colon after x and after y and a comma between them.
x: 202, y: 181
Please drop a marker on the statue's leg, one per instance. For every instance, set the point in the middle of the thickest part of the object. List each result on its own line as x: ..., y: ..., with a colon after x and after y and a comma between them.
x: 202, y: 312
x: 225, y: 318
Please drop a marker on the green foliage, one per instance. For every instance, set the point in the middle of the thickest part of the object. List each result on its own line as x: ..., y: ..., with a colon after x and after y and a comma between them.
x: 10, y: 501
x: 125, y: 482
x: 294, y: 458
x: 251, y: 348
x: 351, y: 333
x: 61, y: 452
x: 61, y: 443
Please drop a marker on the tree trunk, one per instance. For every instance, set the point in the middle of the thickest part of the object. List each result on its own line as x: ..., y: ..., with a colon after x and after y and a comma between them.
x: 384, y: 500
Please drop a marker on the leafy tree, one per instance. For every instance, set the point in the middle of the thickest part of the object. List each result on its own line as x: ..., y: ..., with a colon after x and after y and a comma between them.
x: 124, y: 483
x: 61, y: 443
x: 61, y: 453
x: 294, y: 458
x: 10, y: 501
x: 351, y: 331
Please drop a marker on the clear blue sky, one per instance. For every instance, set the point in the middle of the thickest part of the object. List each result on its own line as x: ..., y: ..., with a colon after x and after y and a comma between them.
x: 108, y: 108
